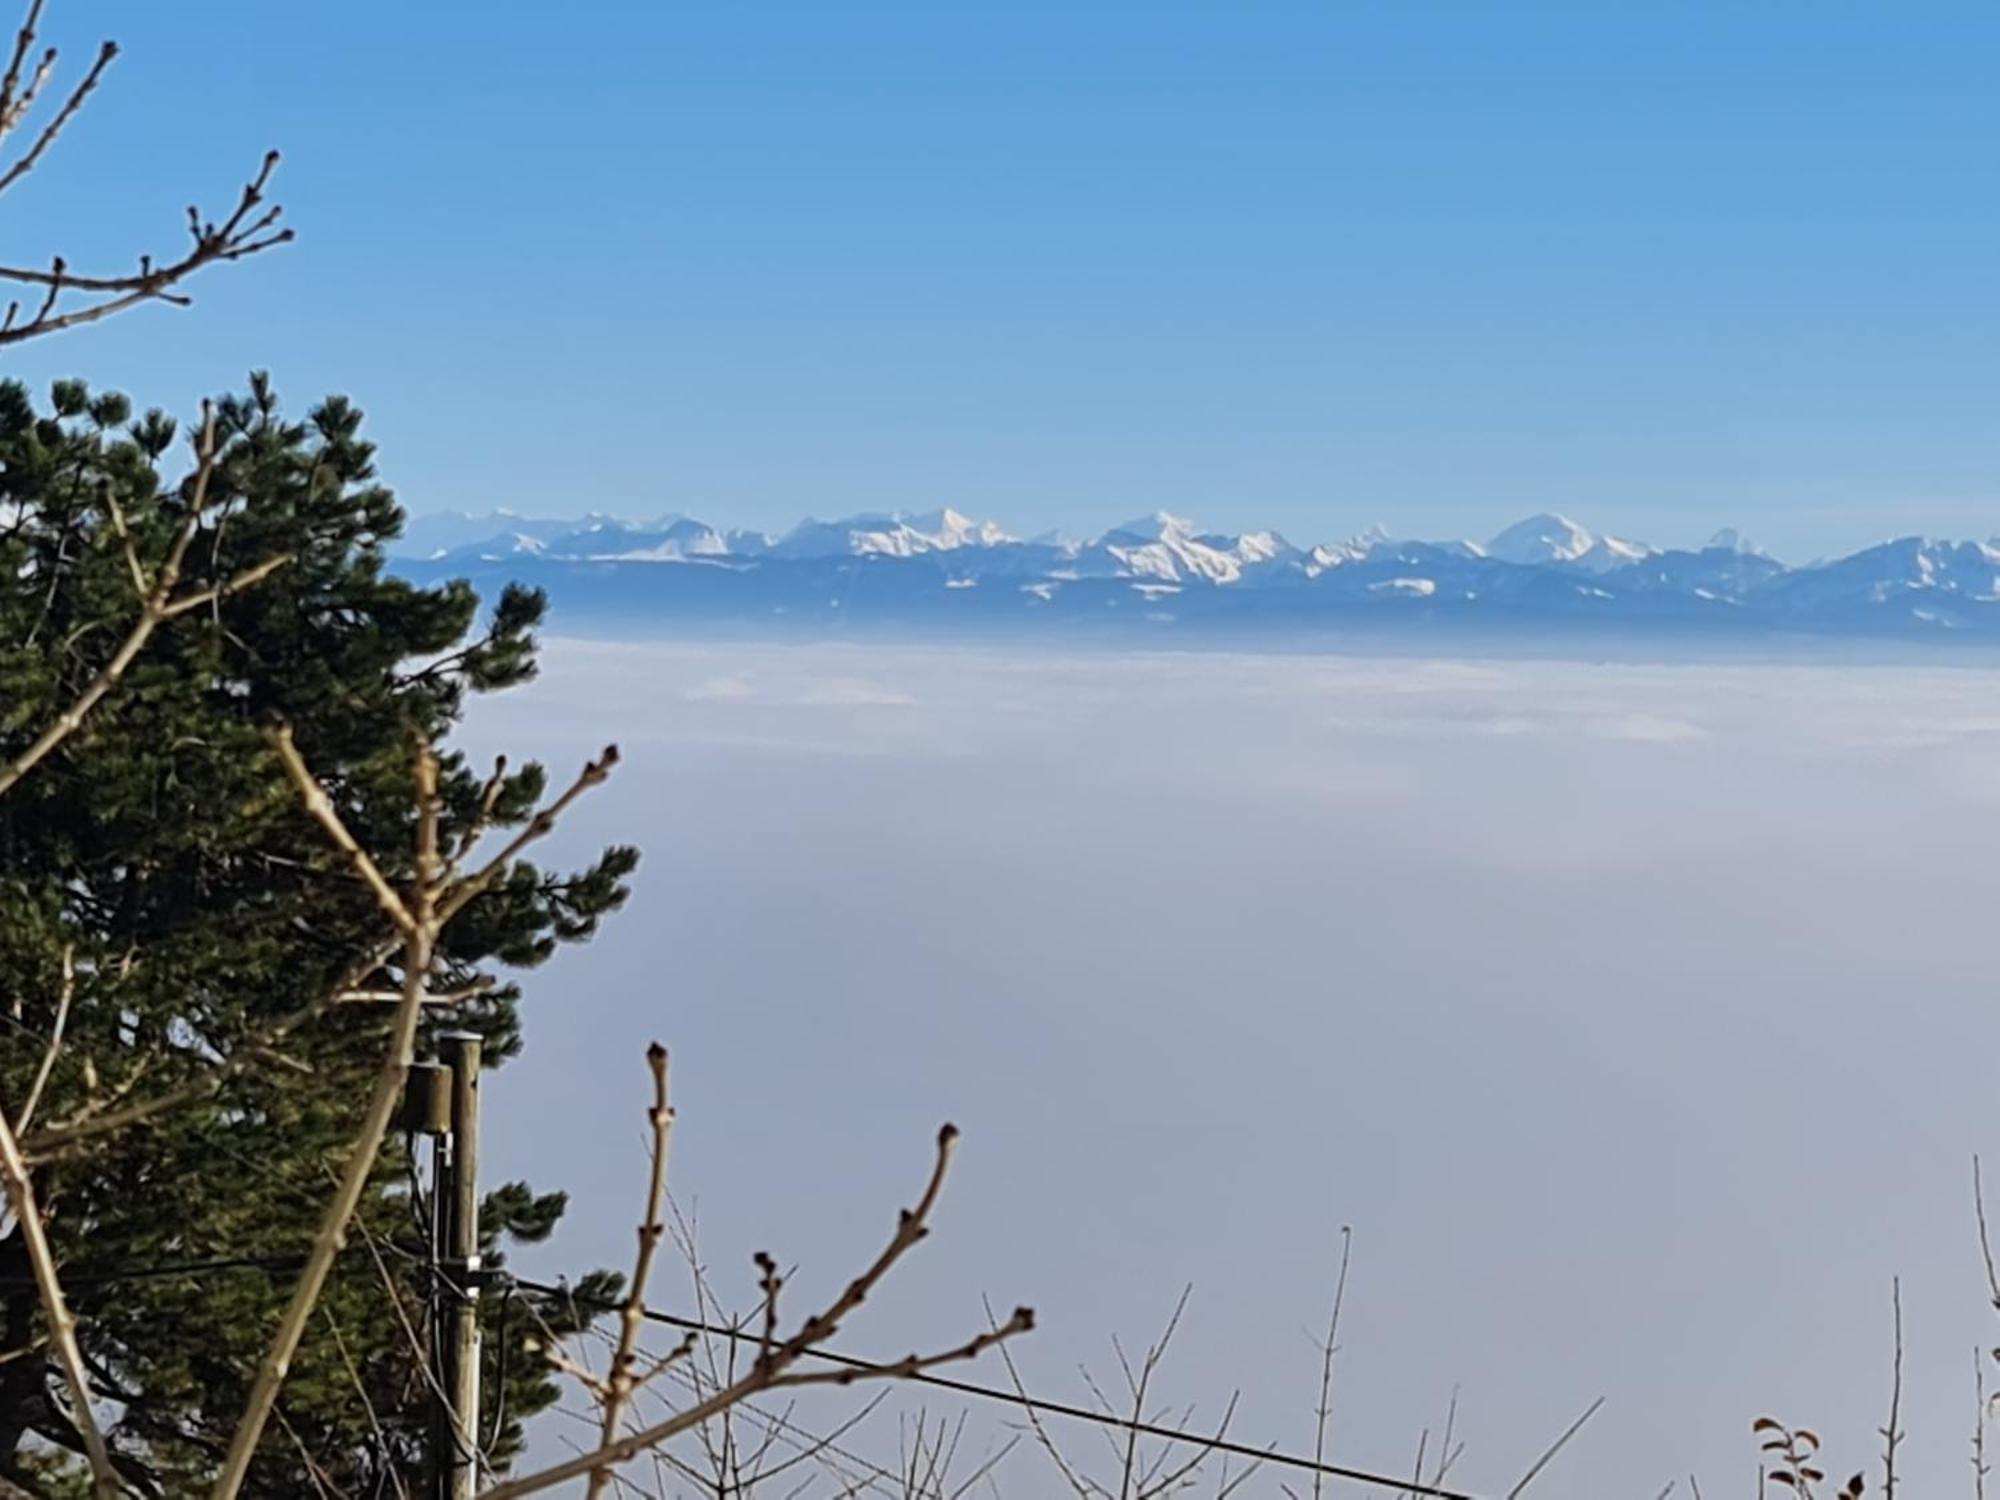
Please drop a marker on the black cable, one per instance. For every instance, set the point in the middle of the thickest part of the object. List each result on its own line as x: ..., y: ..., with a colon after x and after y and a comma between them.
x: 510, y: 1282
x: 500, y: 1365
x: 1035, y: 1403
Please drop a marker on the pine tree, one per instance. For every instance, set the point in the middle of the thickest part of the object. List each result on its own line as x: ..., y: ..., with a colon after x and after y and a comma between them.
x: 157, y: 869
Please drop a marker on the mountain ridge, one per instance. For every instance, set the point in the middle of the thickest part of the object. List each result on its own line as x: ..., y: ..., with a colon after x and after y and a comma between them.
x: 1163, y: 569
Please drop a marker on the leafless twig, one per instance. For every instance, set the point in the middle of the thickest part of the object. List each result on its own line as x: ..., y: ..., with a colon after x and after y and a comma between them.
x: 417, y: 918
x: 55, y: 1307
x: 1892, y: 1435
x: 777, y: 1371
x: 64, y: 995
x: 1327, y: 1350
x: 248, y: 230
x: 1980, y: 1468
x: 620, y: 1380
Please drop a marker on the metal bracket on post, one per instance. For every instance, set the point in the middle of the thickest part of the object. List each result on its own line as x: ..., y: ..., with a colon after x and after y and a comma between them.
x: 427, y: 1100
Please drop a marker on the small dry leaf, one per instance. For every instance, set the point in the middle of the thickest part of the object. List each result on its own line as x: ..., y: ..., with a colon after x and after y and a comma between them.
x: 1780, y: 1476
x: 1771, y: 1424
x: 1807, y: 1436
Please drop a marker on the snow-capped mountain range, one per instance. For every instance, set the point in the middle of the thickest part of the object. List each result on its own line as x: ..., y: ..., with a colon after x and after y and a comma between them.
x: 1162, y: 570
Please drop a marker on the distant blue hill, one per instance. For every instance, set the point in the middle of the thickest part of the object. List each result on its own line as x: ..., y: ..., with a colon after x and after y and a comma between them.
x: 1161, y: 575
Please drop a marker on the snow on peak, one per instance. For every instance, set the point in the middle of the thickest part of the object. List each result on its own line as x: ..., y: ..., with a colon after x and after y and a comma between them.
x: 1545, y: 538
x: 1157, y: 527
x: 1261, y: 546
x: 1166, y: 548
x: 888, y: 535
x: 1551, y: 538
x: 948, y: 528
x: 1729, y: 539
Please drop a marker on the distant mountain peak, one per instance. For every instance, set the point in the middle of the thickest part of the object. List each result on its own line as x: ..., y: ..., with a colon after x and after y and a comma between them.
x: 1543, y: 572
x: 1551, y: 538
x: 1543, y: 538
x: 1729, y: 539
x: 1156, y: 526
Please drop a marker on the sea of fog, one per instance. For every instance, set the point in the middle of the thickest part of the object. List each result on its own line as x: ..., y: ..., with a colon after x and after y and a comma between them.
x: 1639, y: 1020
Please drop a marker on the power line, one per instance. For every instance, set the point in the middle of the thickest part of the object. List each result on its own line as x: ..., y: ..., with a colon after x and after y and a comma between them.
x: 1036, y: 1403
x: 1406, y: 1486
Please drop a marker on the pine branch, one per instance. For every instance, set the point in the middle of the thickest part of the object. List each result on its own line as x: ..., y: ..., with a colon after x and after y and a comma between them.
x: 158, y: 603
x: 418, y: 918
x: 68, y: 1136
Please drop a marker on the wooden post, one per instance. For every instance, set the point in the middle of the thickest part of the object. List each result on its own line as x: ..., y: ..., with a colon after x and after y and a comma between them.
x: 458, y: 1239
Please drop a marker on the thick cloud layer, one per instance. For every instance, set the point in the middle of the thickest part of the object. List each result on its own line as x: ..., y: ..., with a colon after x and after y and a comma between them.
x: 1640, y: 1020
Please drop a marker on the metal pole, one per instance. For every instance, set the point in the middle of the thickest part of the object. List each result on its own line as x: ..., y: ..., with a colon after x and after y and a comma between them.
x: 443, y: 1427
x: 458, y: 1206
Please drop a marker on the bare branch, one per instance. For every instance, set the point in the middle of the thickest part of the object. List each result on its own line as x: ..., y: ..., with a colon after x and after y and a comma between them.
x: 1980, y: 1468
x: 632, y: 1316
x: 320, y: 805
x: 141, y: 585
x: 1892, y: 1435
x: 775, y: 1372
x: 72, y: 1133
x: 55, y: 1309
x: 62, y: 116
x: 1325, y: 1407
x: 594, y: 774
x: 361, y: 1388
x: 433, y: 997
x: 23, y: 40
x: 244, y: 233
x: 420, y: 938
x: 249, y: 578
x: 1985, y: 1243
x: 64, y: 996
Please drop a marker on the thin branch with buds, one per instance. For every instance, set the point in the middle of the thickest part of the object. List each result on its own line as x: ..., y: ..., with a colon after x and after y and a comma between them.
x: 775, y: 1368
x: 250, y: 228
x: 620, y: 1381
x: 419, y: 917
x: 1980, y: 1468
x: 1327, y: 1351
x: 1892, y: 1434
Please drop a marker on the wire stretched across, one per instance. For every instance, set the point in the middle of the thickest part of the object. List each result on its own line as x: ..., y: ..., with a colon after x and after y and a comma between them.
x: 1404, y: 1485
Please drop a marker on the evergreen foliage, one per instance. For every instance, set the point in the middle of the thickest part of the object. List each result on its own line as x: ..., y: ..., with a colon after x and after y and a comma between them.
x: 162, y: 847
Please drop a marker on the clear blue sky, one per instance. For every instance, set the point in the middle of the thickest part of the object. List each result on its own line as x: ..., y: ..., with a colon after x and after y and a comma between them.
x: 1311, y: 263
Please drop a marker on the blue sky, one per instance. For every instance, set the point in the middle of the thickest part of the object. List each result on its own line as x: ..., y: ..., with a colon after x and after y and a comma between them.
x: 1312, y: 265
